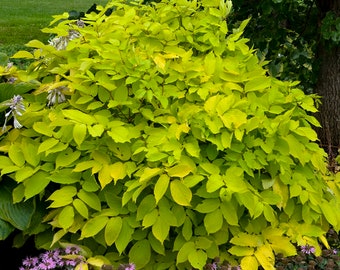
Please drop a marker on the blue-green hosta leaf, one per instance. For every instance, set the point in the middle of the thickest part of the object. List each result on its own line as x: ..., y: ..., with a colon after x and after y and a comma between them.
x: 5, y: 229
x: 17, y: 214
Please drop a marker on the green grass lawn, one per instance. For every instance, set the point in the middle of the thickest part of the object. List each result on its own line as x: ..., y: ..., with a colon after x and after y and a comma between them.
x: 21, y: 20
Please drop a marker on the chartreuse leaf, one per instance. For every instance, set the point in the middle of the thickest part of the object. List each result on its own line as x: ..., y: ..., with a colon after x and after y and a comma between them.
x: 213, y: 221
x: 149, y: 173
x: 112, y: 230
x: 229, y: 211
x: 184, y: 252
x: 161, y: 187
x: 180, y: 193
x: 244, y: 239
x: 140, y: 253
x: 160, y: 229
x: 63, y: 196
x: 104, y: 175
x: 234, y: 180
x: 198, y: 258
x: 36, y: 184
x: 328, y: 210
x: 208, y: 205
x: 180, y: 170
x: 78, y: 116
x: 124, y: 236
x: 66, y: 217
x: 150, y: 218
x: 249, y: 262
x: 156, y: 245
x: 145, y: 206
x: 93, y: 226
x: 16, y: 155
x: 47, y: 144
x: 43, y: 128
x: 91, y: 199
x: 187, y: 229
x: 258, y: 83
x: 241, y: 251
x: 24, y: 173
x: 81, y: 208
x: 265, y: 256
x: 5, y: 162
x: 66, y: 158
x: 79, y: 133
x: 118, y: 171
x: 30, y: 151
x: 23, y: 54
x: 97, y: 261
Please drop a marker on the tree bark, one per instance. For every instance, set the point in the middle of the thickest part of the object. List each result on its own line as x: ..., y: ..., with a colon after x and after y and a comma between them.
x: 328, y: 86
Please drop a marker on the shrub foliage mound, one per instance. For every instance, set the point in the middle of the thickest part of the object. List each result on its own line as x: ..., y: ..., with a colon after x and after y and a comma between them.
x: 156, y: 136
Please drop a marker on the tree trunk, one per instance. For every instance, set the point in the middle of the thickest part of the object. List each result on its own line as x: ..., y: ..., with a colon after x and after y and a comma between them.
x: 328, y: 86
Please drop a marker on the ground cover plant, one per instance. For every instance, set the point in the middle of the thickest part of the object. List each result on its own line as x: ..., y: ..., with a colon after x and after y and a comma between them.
x: 154, y: 136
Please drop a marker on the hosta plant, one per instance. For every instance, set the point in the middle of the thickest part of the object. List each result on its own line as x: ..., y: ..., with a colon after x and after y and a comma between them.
x: 156, y: 137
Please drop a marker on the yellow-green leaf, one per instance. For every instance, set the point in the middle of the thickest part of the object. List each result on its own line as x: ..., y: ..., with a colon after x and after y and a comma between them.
x: 180, y: 193
x: 161, y: 187
x: 66, y: 217
x: 265, y: 256
x: 16, y: 155
x: 160, y: 229
x: 112, y: 230
x: 93, y: 226
x: 249, y: 263
x: 23, y: 54
x: 180, y: 170
x: 47, y: 144
x: 79, y: 133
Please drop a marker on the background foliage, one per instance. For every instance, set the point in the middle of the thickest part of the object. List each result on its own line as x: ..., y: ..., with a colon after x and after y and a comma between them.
x: 156, y: 136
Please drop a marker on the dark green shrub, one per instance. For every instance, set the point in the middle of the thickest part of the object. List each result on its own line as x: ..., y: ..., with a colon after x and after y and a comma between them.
x: 158, y: 138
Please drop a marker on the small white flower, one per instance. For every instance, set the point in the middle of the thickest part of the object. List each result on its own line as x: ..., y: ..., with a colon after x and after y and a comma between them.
x: 17, y: 108
x: 60, y: 43
x: 56, y: 96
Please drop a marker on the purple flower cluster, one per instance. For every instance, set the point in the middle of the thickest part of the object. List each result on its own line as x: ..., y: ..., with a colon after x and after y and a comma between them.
x: 64, y: 259
x: 307, y: 249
